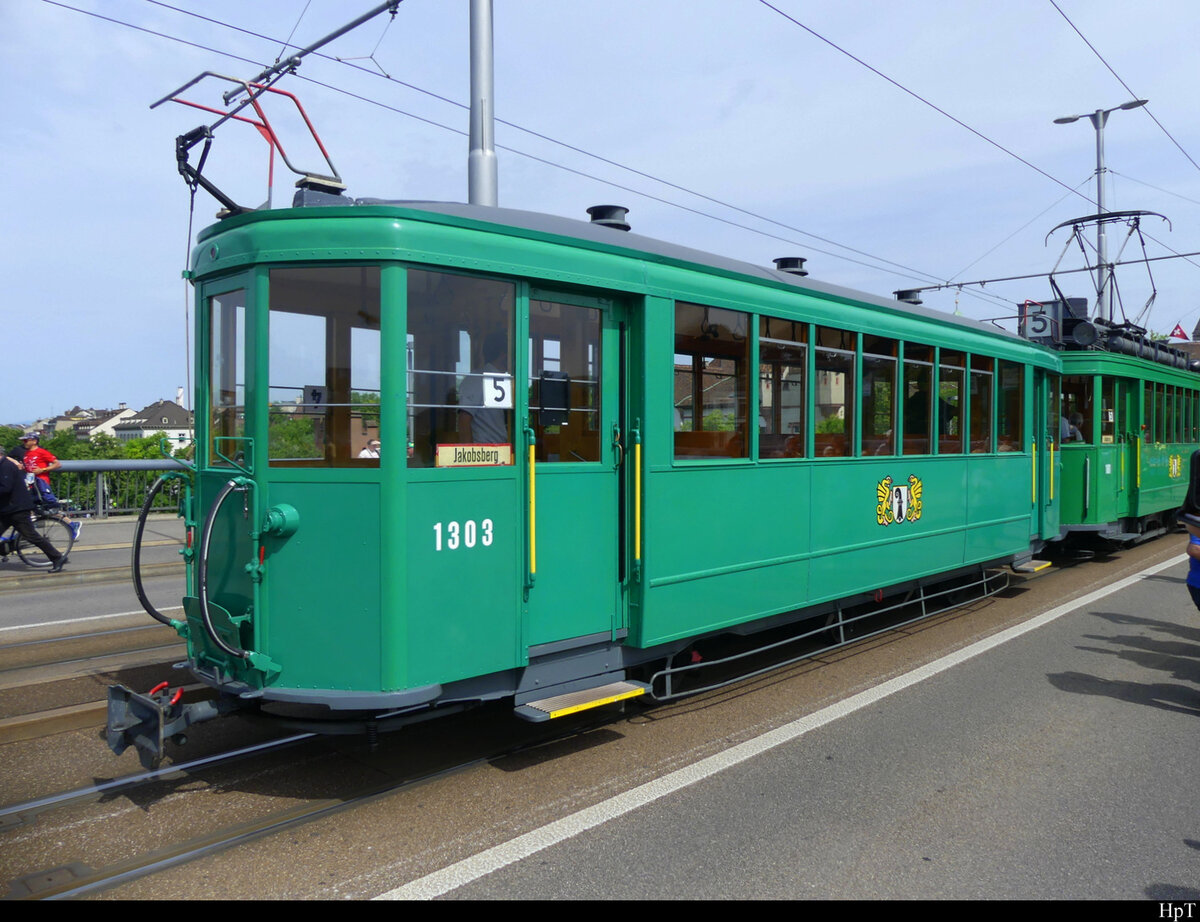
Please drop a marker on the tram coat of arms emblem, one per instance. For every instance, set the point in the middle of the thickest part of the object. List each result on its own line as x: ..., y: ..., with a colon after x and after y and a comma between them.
x: 1174, y: 466
x: 898, y: 502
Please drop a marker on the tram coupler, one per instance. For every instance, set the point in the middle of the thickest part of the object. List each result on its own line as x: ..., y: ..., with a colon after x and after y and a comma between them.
x: 146, y: 721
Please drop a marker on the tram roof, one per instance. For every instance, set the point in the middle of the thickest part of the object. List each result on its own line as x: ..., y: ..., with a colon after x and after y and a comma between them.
x: 598, y: 236
x: 637, y: 244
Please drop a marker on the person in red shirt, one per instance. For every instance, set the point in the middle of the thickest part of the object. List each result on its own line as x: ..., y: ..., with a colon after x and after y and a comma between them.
x: 39, y: 462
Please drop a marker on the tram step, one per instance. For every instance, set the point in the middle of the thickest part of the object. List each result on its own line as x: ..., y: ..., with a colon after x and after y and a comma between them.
x: 573, y: 702
x: 1031, y: 566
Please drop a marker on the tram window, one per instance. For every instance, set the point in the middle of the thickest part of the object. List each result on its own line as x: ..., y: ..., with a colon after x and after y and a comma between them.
x: 1160, y: 413
x: 782, y: 364
x: 712, y: 361
x: 1010, y: 406
x: 227, y: 363
x: 460, y: 383
x: 918, y: 398
x: 564, y: 381
x: 323, y: 378
x: 950, y: 391
x: 1171, y: 414
x: 1108, y: 410
x: 1075, y: 423
x: 833, y: 392
x: 1054, y: 416
x: 1148, y: 433
x: 981, y: 404
x: 879, y: 396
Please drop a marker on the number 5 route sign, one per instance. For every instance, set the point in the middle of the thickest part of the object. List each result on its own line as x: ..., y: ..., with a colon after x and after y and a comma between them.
x: 498, y: 392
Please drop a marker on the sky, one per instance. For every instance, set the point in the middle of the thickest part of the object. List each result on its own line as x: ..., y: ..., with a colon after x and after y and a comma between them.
x: 923, y: 151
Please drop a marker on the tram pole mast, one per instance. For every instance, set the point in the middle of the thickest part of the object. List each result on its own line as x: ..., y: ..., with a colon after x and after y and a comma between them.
x: 1104, y: 270
x: 481, y: 159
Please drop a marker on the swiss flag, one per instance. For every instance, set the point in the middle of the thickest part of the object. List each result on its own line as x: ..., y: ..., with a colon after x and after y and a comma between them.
x: 1178, y: 333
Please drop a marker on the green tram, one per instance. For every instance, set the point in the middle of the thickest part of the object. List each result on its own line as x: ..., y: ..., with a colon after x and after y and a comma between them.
x: 1129, y: 422
x: 595, y: 449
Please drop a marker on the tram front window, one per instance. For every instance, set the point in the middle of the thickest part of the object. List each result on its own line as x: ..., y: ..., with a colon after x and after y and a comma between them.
x: 227, y: 361
x: 324, y: 347
x: 460, y: 360
x: 1075, y: 421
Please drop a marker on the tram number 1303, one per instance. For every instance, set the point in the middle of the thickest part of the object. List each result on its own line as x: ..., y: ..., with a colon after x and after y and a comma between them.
x: 453, y: 535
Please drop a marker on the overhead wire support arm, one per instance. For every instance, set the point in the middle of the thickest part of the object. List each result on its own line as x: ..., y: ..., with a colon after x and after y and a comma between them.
x: 253, y: 89
x: 1110, y: 215
x: 293, y: 61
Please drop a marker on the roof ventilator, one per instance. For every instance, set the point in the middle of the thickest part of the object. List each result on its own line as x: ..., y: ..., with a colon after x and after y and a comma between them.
x: 909, y: 295
x: 609, y: 216
x: 793, y: 265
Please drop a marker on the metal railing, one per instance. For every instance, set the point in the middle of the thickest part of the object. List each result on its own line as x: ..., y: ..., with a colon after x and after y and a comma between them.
x: 102, y: 488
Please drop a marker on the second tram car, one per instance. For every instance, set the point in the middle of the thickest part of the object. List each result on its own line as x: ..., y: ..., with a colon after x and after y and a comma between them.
x: 1129, y: 421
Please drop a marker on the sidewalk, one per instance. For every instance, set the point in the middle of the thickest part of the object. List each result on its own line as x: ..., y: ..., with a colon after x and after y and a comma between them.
x: 103, y: 553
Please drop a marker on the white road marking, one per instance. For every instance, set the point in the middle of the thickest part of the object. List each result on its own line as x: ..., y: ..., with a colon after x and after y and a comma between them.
x: 120, y: 614
x: 471, y: 869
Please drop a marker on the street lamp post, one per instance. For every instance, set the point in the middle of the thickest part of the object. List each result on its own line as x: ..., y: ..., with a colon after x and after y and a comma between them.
x: 1104, y: 288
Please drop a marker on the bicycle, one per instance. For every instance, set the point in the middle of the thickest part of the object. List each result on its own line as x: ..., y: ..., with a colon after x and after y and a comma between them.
x: 51, y: 526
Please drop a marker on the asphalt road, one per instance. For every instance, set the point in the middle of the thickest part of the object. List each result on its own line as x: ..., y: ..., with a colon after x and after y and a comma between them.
x: 1060, y: 764
x: 96, y: 580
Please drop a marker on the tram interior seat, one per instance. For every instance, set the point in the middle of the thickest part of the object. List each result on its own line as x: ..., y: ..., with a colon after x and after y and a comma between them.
x: 831, y: 445
x: 916, y: 446
x: 773, y: 446
x: 703, y: 444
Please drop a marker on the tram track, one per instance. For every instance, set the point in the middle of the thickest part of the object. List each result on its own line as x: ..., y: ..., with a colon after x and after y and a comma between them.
x: 77, y: 877
x: 53, y: 681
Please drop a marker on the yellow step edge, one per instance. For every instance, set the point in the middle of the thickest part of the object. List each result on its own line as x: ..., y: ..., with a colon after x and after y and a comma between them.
x: 1032, y: 566
x: 574, y: 702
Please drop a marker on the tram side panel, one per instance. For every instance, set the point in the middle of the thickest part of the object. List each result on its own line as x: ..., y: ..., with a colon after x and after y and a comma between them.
x: 323, y: 587
x: 724, y: 545
x: 1163, y: 477
x: 466, y: 567
x: 805, y: 533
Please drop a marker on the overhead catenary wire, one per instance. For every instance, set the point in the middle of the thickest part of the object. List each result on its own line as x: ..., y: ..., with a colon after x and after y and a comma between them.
x: 923, y: 100
x: 1123, y: 83
x: 913, y: 273
x: 989, y: 252
x: 348, y: 61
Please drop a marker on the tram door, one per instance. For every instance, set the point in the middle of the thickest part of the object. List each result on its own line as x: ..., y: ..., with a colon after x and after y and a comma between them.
x: 1127, y: 433
x: 1047, y: 469
x: 574, y: 455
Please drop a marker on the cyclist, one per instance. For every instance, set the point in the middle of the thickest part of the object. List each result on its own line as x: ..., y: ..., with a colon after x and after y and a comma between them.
x: 16, y: 510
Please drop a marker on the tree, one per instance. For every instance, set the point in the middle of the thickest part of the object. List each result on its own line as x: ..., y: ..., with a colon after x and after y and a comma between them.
x: 291, y: 436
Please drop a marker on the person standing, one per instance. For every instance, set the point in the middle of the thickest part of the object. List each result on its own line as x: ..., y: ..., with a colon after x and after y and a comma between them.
x: 16, y: 510
x: 478, y: 422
